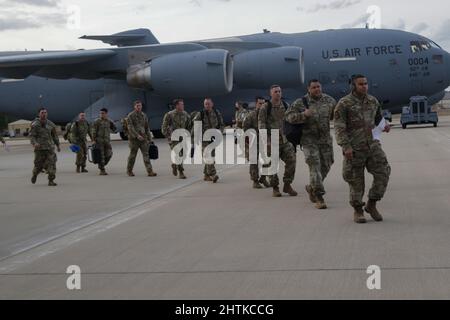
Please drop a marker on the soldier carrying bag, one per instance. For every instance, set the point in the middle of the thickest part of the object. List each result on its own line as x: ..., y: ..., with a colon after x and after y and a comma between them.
x: 293, y: 132
x: 94, y: 154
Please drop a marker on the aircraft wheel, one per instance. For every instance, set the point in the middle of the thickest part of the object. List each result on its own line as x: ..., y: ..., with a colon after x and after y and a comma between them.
x: 404, y: 126
x: 435, y: 124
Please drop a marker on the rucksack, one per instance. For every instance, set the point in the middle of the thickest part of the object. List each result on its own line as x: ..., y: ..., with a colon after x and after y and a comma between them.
x: 293, y: 132
x: 124, y: 123
x: 67, y: 133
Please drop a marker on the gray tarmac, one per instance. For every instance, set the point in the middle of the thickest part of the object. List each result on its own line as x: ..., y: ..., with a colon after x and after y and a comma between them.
x: 164, y: 238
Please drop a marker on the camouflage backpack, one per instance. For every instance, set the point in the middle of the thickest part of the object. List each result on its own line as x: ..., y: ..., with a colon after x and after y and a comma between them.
x: 66, y: 135
x: 124, y: 123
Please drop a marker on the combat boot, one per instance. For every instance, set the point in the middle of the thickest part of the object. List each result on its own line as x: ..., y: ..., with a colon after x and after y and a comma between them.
x: 130, y: 173
x: 52, y: 183
x: 288, y: 189
x: 182, y: 176
x: 83, y: 169
x: 320, y: 203
x: 371, y: 208
x: 256, y: 185
x: 215, y: 178
x: 34, y: 178
x: 151, y: 173
x: 103, y: 172
x: 276, y: 192
x: 359, y: 215
x: 264, y: 182
x: 312, y: 197
x: 207, y: 178
x: 174, y: 170
x: 78, y: 169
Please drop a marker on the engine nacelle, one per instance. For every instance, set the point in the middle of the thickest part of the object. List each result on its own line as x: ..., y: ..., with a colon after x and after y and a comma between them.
x: 188, y: 74
x: 258, y: 69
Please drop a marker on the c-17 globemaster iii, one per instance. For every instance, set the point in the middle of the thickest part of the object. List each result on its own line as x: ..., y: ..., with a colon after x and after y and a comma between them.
x: 398, y: 64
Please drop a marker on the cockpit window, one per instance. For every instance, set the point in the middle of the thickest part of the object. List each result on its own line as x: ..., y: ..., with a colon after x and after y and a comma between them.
x: 422, y: 45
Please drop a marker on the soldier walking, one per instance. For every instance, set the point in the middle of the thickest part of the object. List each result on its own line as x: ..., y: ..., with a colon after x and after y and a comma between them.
x: 271, y: 116
x: 173, y: 120
x: 354, y: 119
x: 139, y: 138
x: 44, y: 139
x: 79, y: 130
x: 315, y: 111
x: 101, y: 135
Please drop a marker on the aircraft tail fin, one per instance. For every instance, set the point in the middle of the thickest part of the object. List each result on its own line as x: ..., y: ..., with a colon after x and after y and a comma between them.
x: 136, y: 37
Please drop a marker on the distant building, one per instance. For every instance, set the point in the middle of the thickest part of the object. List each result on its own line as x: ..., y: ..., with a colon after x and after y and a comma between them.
x: 19, y: 128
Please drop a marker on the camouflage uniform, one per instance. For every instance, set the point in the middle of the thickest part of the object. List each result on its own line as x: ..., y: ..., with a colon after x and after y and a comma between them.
x: 101, y: 131
x: 287, y: 151
x: 211, y: 120
x: 239, y: 117
x: 316, y: 140
x: 78, y: 132
x: 45, y: 158
x: 251, y: 122
x: 354, y: 120
x: 172, y: 121
x: 138, y: 125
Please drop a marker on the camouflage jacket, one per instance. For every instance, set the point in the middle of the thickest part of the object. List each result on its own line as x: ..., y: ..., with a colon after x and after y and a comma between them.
x: 101, y: 130
x: 354, y: 119
x: 174, y: 120
x: 79, y: 130
x: 138, y: 125
x: 274, y: 121
x: 239, y: 117
x: 44, y: 135
x: 251, y: 120
x: 316, y: 128
x: 211, y: 120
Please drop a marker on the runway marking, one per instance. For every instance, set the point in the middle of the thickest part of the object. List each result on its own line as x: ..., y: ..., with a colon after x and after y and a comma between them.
x: 118, y: 273
x: 87, y: 230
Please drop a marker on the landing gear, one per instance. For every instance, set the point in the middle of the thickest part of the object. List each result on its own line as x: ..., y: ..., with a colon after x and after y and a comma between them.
x: 404, y: 125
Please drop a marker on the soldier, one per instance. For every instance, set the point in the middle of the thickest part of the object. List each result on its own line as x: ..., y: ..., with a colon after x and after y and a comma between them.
x: 355, y: 117
x: 139, y: 138
x: 239, y: 115
x: 78, y: 132
x: 173, y: 120
x: 44, y: 138
x: 211, y: 119
x: 101, y: 132
x: 315, y: 110
x: 251, y: 122
x: 271, y: 116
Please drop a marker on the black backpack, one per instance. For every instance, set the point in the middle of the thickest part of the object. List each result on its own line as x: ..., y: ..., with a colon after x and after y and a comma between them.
x: 293, y: 132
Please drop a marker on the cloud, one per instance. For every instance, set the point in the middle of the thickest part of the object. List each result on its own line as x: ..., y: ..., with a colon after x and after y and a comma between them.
x: 360, y: 22
x: 443, y: 34
x: 25, y: 16
x: 419, y: 28
x: 41, y: 3
x: 334, y: 5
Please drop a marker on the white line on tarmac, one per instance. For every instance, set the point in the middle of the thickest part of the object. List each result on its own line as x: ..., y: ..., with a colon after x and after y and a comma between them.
x: 87, y: 230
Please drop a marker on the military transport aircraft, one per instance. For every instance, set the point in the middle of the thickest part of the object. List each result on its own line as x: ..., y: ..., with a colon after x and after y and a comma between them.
x: 398, y: 64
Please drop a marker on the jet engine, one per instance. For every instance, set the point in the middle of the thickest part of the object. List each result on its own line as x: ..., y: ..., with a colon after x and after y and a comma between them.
x: 262, y: 68
x: 188, y: 74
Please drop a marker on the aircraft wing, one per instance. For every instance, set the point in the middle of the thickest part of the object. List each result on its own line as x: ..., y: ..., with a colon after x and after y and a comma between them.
x: 237, y: 46
x: 85, y: 64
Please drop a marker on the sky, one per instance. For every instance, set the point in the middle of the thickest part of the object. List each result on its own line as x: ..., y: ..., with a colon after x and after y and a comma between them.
x: 57, y: 24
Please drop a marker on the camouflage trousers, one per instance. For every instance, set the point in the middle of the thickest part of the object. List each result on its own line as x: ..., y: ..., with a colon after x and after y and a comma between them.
x: 254, y: 168
x: 209, y: 169
x: 319, y: 159
x: 136, y: 145
x: 81, y: 155
x: 289, y: 157
x: 45, y: 160
x: 179, y: 167
x: 353, y: 171
x: 106, y: 152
